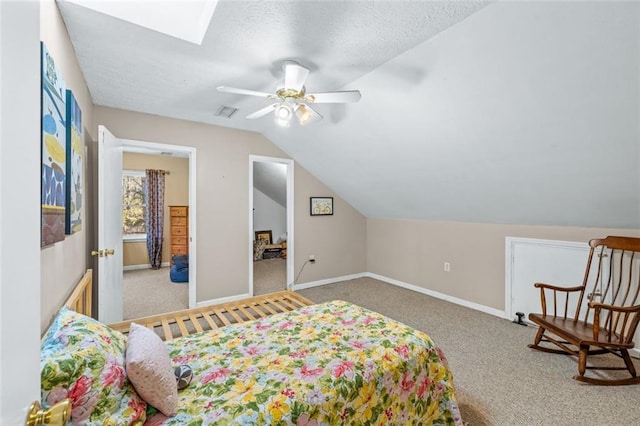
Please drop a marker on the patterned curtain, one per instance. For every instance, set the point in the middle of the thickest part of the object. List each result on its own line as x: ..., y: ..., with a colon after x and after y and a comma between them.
x: 154, y: 197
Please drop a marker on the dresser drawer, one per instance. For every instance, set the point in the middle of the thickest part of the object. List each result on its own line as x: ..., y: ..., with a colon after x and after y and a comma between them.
x: 178, y: 221
x: 178, y: 211
x: 181, y: 241
x: 180, y: 231
x: 177, y: 249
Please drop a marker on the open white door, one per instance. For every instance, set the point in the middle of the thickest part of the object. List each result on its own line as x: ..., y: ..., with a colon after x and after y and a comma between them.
x: 109, y: 249
x: 19, y: 210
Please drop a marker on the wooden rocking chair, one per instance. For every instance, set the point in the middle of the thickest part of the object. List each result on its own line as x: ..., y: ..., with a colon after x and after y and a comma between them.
x: 609, y: 320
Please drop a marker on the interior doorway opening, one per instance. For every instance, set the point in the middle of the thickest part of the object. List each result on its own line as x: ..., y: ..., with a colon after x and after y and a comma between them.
x: 271, y: 230
x: 152, y: 149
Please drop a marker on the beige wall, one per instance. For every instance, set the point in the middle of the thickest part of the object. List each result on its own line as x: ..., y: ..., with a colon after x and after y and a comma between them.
x: 222, y: 193
x: 414, y: 252
x: 176, y: 193
x: 63, y: 263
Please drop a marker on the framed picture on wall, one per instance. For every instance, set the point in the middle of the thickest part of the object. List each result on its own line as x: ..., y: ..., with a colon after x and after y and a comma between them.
x: 264, y: 235
x: 321, y: 206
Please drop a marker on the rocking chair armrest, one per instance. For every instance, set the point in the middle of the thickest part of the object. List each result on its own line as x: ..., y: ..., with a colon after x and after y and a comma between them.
x: 543, y: 286
x: 627, y: 309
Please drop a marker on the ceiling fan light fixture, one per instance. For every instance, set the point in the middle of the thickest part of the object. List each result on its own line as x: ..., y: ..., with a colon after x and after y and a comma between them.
x: 303, y: 113
x: 284, y: 111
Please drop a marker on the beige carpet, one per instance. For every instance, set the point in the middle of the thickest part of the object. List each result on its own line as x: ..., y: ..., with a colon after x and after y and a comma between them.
x: 499, y: 381
x: 269, y: 275
x: 150, y: 292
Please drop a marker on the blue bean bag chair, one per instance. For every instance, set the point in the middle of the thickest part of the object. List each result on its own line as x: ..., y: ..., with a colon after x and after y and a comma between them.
x: 179, y: 272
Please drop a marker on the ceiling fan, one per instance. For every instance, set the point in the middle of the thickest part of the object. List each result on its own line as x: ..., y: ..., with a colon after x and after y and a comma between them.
x: 292, y: 99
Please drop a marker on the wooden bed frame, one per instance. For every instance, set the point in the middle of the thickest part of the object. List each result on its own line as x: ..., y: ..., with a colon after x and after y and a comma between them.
x: 188, y: 321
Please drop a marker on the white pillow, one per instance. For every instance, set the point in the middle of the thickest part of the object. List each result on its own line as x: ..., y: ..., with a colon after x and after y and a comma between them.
x: 149, y: 369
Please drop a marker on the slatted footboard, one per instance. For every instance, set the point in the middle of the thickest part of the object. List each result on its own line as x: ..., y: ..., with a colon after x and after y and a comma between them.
x: 185, y: 322
x: 188, y: 321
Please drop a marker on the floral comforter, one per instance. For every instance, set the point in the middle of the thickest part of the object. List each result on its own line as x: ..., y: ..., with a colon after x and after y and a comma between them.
x: 327, y: 364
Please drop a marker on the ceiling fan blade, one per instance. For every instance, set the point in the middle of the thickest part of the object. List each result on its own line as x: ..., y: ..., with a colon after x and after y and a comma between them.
x: 294, y: 76
x: 262, y: 112
x: 333, y: 97
x: 307, y: 115
x: 245, y: 92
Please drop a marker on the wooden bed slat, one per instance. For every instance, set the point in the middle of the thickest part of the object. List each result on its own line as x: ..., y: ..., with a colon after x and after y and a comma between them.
x: 182, y: 327
x: 235, y: 315
x: 209, y: 320
x: 168, y: 335
x: 196, y: 323
x: 247, y: 313
x: 222, y: 316
x: 266, y: 306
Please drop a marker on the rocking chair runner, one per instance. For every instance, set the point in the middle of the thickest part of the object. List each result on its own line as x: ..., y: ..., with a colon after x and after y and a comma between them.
x: 610, y: 318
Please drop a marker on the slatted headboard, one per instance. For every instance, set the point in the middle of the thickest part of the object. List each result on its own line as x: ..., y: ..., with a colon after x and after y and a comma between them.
x: 80, y: 298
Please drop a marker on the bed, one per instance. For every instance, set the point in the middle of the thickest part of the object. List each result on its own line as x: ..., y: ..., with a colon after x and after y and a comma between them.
x: 322, y: 364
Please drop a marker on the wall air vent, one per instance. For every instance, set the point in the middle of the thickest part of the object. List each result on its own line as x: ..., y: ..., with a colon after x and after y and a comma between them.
x: 225, y: 111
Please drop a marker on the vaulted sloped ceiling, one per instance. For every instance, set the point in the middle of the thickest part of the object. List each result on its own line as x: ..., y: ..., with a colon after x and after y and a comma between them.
x: 508, y: 112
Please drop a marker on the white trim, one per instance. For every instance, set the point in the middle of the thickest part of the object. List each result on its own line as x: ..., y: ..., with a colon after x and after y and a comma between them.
x: 143, y: 266
x: 129, y: 172
x: 437, y: 295
x: 190, y: 153
x: 290, y: 216
x: 134, y: 238
x: 329, y: 281
x: 222, y: 300
x: 412, y: 287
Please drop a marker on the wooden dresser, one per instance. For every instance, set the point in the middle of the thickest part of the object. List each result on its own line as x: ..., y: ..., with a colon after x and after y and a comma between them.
x: 179, y: 217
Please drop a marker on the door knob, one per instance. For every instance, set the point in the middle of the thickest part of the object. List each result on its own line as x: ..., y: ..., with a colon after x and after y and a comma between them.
x: 102, y: 253
x: 56, y: 415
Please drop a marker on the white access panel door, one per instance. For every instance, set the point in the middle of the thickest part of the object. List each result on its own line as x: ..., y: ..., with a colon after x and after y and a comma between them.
x: 110, y: 307
x: 530, y: 261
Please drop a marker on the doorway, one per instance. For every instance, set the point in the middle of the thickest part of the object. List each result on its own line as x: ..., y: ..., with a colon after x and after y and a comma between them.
x: 188, y: 153
x: 271, y: 213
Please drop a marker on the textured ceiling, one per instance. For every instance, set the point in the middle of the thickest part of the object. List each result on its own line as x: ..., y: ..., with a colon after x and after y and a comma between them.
x: 469, y: 113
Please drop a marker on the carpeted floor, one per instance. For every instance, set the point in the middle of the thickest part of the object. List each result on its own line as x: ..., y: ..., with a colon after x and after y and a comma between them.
x: 150, y: 292
x: 269, y: 275
x: 499, y: 381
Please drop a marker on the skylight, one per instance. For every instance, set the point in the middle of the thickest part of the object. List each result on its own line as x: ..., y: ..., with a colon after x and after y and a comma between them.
x: 184, y: 19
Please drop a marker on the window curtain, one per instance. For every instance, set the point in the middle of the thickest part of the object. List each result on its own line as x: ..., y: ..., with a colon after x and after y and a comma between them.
x: 154, y: 215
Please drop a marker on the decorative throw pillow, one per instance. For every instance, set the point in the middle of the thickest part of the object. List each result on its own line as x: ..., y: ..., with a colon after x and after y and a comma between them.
x: 258, y: 249
x: 83, y: 360
x: 184, y: 375
x: 149, y: 369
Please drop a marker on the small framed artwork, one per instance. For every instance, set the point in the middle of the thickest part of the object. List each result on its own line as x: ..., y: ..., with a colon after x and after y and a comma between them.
x: 264, y: 235
x: 321, y: 206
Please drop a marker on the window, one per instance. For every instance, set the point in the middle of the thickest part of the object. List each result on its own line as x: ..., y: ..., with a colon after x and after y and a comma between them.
x: 133, y: 205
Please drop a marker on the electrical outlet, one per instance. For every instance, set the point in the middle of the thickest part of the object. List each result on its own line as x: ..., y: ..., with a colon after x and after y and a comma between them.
x: 312, y: 258
x: 447, y: 267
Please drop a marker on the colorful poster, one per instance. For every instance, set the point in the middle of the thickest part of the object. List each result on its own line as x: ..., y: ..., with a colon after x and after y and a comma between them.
x: 73, y: 222
x: 53, y: 151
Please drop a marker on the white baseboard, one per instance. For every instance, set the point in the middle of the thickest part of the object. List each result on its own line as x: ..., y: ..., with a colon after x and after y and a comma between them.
x: 318, y: 283
x: 222, y: 300
x: 145, y: 266
x: 437, y: 295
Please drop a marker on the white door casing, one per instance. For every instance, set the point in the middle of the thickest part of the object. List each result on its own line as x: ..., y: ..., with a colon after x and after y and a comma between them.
x: 110, y: 307
x: 155, y: 148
